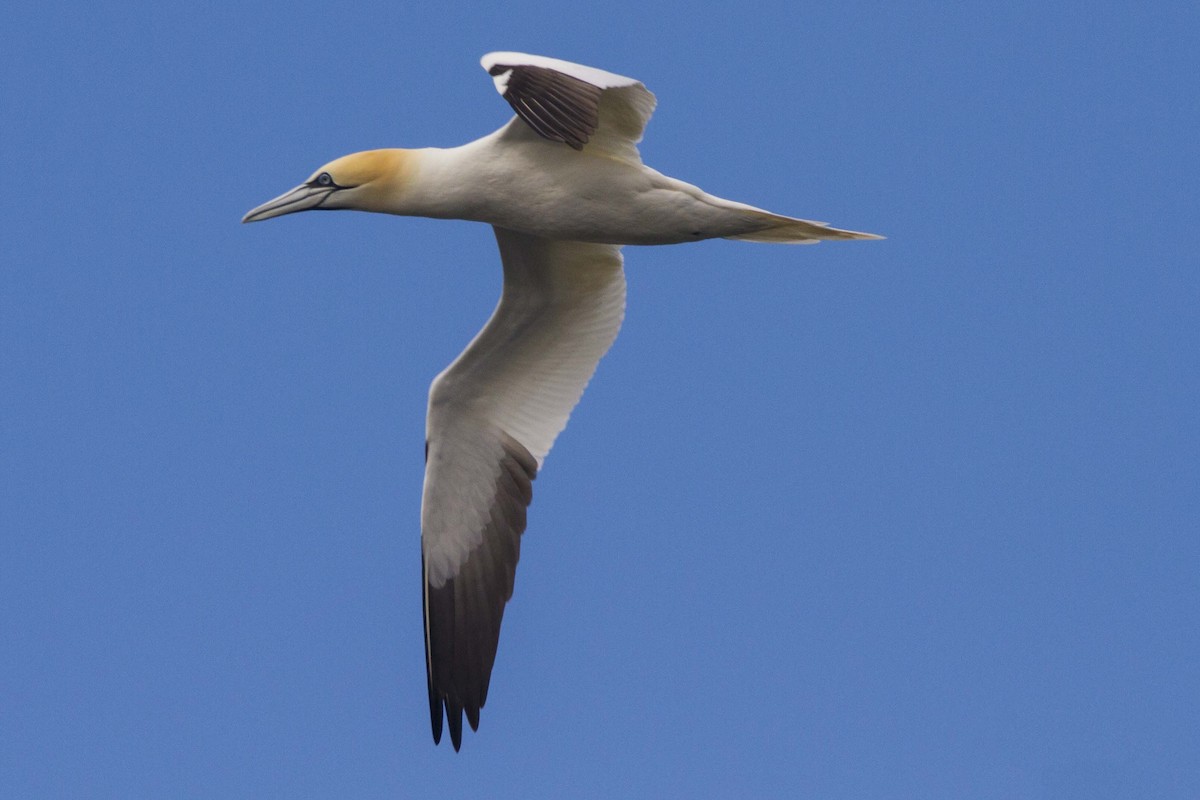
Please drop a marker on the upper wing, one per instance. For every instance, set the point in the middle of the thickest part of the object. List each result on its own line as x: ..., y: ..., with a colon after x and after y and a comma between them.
x: 493, y: 416
x: 573, y: 104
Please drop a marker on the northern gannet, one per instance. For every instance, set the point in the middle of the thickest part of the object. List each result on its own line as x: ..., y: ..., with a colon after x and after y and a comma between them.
x: 564, y: 187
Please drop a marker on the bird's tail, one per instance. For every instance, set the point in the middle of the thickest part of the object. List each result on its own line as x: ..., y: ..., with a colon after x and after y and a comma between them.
x: 787, y: 230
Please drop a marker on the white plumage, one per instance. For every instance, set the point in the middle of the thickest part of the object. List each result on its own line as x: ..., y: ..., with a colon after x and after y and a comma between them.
x: 564, y: 187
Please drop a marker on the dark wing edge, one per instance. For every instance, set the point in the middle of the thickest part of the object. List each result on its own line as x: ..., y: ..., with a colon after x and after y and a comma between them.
x: 557, y: 106
x: 494, y: 414
x: 463, y: 615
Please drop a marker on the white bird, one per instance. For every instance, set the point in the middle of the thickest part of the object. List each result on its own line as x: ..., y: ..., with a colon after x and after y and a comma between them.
x: 564, y: 187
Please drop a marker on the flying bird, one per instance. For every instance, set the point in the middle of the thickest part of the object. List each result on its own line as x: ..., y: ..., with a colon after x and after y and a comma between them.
x: 563, y: 186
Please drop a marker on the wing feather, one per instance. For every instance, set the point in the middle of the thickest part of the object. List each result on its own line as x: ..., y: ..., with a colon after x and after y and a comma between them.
x: 493, y: 416
x: 573, y: 104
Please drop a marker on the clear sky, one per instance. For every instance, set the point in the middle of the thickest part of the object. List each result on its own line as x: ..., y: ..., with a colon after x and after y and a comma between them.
x: 903, y: 519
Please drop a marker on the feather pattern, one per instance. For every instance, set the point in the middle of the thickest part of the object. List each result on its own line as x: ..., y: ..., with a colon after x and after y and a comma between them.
x: 573, y: 104
x: 493, y: 416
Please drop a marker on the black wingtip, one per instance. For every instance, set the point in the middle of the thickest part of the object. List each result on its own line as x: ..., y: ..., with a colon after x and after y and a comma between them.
x: 435, y: 702
x: 454, y: 717
x: 435, y: 718
x: 463, y: 616
x: 557, y: 106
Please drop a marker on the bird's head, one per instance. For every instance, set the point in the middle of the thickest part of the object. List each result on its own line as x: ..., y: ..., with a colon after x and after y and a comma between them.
x: 363, y: 181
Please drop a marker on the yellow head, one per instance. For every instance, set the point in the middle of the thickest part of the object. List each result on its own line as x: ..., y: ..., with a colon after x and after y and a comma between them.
x: 364, y: 181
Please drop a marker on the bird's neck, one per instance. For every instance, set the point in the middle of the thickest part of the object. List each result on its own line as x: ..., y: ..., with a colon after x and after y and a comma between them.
x: 445, y: 183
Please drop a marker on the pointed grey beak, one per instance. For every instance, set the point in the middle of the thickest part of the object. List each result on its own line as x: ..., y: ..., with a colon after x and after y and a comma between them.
x: 302, y: 198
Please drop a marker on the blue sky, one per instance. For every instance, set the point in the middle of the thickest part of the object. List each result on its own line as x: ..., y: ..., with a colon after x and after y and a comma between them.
x: 913, y: 518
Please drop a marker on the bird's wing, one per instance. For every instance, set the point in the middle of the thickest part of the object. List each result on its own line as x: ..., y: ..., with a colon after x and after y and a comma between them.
x: 493, y: 415
x: 574, y: 104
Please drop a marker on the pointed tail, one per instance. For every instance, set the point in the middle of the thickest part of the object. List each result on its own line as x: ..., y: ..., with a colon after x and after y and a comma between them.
x: 787, y: 230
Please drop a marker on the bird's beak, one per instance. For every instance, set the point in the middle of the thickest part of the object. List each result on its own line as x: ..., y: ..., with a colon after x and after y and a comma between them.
x: 302, y: 198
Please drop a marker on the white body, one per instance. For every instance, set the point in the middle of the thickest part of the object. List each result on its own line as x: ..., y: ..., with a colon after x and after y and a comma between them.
x: 564, y: 187
x: 516, y: 180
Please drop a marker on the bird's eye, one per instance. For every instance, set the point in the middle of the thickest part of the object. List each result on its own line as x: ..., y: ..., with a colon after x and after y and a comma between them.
x: 325, y: 179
